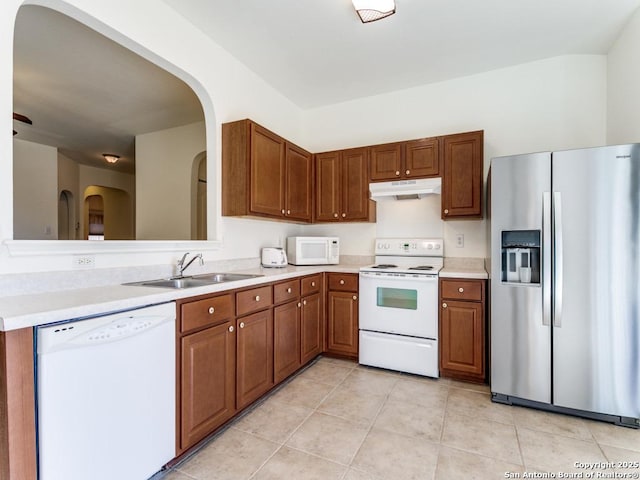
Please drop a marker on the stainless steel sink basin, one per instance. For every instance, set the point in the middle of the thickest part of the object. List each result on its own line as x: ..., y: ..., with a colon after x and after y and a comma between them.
x: 195, y: 281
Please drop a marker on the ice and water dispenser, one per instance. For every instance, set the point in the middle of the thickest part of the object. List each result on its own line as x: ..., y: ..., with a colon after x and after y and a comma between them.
x: 521, y: 256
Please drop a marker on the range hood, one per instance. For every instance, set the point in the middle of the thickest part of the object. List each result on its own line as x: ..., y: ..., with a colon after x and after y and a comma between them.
x: 405, y: 189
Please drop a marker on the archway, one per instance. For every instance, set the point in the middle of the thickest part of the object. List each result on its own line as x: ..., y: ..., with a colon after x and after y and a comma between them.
x: 67, y: 225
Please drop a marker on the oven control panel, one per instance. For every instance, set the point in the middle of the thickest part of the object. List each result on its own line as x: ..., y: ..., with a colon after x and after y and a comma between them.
x: 409, y: 246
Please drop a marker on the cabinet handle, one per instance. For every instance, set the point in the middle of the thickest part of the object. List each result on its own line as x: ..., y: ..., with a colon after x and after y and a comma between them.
x: 444, y: 305
x: 241, y: 324
x: 341, y: 282
x: 335, y: 215
x: 289, y: 290
x: 257, y: 298
x: 461, y: 290
x: 313, y: 284
x: 397, y: 173
x: 355, y: 297
x: 283, y: 211
x: 304, y: 302
x: 344, y: 215
x: 446, y: 211
x: 288, y: 212
x: 407, y: 172
x: 231, y: 328
x: 211, y: 310
x: 299, y: 305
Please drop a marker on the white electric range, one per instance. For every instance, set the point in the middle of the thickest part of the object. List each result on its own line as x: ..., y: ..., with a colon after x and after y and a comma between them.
x: 398, y: 313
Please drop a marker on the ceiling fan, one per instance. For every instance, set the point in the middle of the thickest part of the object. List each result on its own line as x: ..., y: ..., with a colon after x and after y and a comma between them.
x: 21, y: 118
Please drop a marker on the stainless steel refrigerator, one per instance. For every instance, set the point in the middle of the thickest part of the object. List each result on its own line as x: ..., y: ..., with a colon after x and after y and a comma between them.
x: 565, y: 281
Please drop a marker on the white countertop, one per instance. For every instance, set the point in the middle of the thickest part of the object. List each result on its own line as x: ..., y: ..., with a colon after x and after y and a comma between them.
x: 22, y: 311
x: 464, y: 268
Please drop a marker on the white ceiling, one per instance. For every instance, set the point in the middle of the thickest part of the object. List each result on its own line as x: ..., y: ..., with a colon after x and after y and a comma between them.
x: 86, y: 94
x: 317, y: 52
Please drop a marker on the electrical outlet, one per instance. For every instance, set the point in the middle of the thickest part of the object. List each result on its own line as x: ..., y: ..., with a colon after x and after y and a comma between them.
x: 84, y: 261
x: 459, y: 240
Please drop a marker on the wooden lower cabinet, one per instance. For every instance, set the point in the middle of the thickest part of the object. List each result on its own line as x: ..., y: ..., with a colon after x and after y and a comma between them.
x: 462, y: 330
x: 311, y: 329
x: 254, y: 367
x: 286, y: 340
x: 207, y: 385
x: 342, y: 314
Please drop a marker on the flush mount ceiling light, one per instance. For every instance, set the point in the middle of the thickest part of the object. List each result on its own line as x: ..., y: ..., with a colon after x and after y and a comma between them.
x: 372, y: 10
x: 110, y: 157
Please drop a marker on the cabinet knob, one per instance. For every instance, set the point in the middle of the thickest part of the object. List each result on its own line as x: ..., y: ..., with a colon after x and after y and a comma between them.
x: 355, y: 297
x: 283, y: 211
x: 444, y: 305
x: 289, y: 290
x: 397, y: 173
x: 344, y: 215
x: 231, y: 328
x: 335, y: 215
x: 211, y: 310
x: 257, y: 298
x: 407, y: 172
x: 341, y: 282
x: 313, y: 284
x: 241, y: 324
x: 288, y: 212
x: 304, y: 302
x: 461, y: 290
x: 446, y: 211
x: 299, y: 304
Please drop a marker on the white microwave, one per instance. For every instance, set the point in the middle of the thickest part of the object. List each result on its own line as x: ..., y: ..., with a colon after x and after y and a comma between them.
x: 313, y: 250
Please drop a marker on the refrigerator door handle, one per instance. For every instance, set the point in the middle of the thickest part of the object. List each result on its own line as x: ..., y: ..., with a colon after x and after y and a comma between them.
x: 546, y: 258
x: 557, y: 225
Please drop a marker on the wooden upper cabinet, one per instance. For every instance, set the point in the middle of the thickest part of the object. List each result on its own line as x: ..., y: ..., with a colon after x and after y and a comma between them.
x: 403, y: 160
x: 462, y: 180
x: 386, y: 162
x: 342, y: 186
x: 298, y: 183
x: 263, y: 174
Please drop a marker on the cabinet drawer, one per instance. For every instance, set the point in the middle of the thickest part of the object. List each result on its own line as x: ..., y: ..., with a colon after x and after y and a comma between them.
x: 205, y: 312
x: 253, y: 300
x: 311, y: 284
x: 284, y: 291
x: 462, y: 290
x: 345, y: 282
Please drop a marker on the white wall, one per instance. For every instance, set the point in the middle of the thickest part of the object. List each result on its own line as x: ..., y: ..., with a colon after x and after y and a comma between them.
x: 163, y: 181
x: 35, y: 192
x: 623, y: 63
x: 227, y: 89
x: 556, y: 103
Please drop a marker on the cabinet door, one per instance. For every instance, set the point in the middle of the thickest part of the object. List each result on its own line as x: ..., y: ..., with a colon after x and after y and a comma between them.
x: 328, y: 175
x: 355, y: 185
x: 254, y: 367
x: 342, y: 323
x: 385, y: 162
x: 207, y: 382
x: 462, y: 177
x: 421, y: 158
x: 311, y: 328
x: 462, y: 338
x: 286, y: 340
x: 298, y: 192
x: 267, y: 172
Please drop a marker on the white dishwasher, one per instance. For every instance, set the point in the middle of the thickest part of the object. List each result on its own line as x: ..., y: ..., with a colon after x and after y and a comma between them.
x: 106, y: 395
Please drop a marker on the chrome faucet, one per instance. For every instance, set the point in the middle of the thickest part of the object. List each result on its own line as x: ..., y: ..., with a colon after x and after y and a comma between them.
x: 181, y: 267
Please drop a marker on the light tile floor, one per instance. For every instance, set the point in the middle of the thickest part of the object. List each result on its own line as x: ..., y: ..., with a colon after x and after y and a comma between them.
x: 338, y: 420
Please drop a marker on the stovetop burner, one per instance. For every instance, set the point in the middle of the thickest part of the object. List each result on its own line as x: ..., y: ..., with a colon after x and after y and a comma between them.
x: 385, y: 265
x: 422, y: 267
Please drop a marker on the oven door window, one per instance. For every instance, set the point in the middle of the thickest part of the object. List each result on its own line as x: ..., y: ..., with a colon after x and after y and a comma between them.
x: 397, y: 298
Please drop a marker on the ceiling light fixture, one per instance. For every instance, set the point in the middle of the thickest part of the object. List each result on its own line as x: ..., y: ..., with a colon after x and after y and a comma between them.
x: 110, y: 157
x: 372, y: 10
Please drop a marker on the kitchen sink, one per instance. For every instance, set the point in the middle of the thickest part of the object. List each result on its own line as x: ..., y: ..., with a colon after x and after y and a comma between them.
x: 195, y: 281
